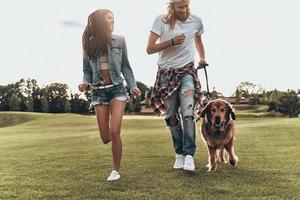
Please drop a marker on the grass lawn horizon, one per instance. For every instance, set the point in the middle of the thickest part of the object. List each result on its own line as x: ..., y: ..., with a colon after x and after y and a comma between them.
x: 61, y: 156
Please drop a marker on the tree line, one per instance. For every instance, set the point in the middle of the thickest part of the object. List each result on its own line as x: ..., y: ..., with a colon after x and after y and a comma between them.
x: 285, y: 102
x: 27, y: 95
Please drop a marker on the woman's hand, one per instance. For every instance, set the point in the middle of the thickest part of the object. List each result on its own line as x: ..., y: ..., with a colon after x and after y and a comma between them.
x: 82, y: 87
x: 135, y: 91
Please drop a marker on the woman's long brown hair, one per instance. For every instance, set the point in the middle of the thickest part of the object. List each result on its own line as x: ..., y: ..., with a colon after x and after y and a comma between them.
x: 97, y: 34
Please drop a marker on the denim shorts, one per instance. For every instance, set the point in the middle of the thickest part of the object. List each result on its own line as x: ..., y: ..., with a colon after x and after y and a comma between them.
x: 104, y: 96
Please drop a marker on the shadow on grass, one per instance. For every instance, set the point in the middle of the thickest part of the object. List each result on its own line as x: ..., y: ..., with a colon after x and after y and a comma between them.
x: 226, y: 182
x: 14, y: 118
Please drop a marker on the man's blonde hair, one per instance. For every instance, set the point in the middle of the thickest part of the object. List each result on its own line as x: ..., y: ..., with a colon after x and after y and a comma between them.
x: 170, y: 17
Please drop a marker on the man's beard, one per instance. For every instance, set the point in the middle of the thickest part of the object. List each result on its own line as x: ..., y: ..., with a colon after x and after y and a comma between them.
x: 181, y: 17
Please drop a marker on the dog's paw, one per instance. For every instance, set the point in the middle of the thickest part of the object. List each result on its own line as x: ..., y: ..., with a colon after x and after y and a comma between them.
x: 211, y: 171
x: 212, y: 168
x: 208, y: 165
x: 233, y: 162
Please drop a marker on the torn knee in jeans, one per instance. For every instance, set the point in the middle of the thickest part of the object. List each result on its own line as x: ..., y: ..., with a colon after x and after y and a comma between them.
x: 188, y: 93
x: 172, y: 121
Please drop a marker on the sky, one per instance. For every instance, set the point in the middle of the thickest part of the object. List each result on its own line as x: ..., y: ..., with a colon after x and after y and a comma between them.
x: 256, y: 41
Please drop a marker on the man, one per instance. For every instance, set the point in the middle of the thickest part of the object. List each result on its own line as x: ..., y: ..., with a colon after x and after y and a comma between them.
x: 177, y: 87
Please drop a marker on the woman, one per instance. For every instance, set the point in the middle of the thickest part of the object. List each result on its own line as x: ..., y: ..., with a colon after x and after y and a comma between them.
x: 104, y: 59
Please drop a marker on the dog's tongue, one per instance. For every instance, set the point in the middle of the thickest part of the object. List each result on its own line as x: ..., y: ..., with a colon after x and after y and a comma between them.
x: 218, y: 125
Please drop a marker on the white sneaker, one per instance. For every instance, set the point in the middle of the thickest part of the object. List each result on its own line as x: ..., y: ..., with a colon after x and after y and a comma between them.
x: 189, y: 164
x: 179, y: 160
x: 114, y: 175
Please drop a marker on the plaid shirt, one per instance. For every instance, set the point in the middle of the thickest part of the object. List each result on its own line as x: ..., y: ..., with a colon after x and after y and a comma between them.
x: 160, y: 93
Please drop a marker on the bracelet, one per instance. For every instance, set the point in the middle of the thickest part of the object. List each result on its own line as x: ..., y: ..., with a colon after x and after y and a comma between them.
x: 173, y: 42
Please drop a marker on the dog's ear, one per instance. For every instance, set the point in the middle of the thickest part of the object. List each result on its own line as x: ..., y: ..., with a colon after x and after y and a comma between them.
x: 205, y: 110
x: 230, y: 111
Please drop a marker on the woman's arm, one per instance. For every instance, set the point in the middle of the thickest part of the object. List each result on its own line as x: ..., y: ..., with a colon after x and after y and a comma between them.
x: 126, y: 68
x: 87, y: 74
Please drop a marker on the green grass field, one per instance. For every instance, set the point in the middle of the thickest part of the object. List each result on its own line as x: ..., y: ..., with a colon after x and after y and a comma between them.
x: 48, y: 156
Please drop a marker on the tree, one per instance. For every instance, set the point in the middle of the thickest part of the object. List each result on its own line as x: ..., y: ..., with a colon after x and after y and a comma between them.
x: 4, y: 98
x: 67, y: 106
x: 30, y: 104
x: 20, y: 87
x: 143, y: 88
x: 14, y: 103
x: 273, y: 106
x: 245, y: 88
x: 24, y: 90
x: 78, y: 105
x: 275, y: 95
x: 289, y: 104
x: 33, y: 92
x: 263, y: 97
x: 254, y: 99
x: 6, y: 92
x: 256, y: 93
x: 214, y: 94
x: 57, y: 97
x: 237, y: 96
x: 44, y: 105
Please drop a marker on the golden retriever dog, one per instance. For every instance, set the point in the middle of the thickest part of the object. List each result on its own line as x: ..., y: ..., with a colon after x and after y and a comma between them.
x: 218, y: 132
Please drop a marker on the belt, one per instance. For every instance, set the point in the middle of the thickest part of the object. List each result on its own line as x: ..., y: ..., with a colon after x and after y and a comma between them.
x: 190, y: 64
x: 99, y: 87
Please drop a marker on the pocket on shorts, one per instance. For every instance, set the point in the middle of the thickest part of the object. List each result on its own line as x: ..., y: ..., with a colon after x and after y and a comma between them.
x: 119, y: 92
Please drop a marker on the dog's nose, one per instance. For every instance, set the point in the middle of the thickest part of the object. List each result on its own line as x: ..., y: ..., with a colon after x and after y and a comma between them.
x: 218, y: 120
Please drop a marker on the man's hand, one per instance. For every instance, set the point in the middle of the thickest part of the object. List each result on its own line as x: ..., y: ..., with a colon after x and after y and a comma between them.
x: 202, y: 63
x: 179, y: 39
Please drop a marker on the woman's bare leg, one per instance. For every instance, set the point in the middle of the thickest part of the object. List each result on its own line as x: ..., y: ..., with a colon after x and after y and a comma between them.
x: 117, y: 110
x: 102, y: 115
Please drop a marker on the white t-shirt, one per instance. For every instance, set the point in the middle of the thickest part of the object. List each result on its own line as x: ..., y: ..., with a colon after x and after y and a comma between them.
x: 178, y: 55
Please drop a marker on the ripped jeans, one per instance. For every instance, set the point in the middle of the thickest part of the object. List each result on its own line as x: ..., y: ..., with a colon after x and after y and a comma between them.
x: 182, y: 126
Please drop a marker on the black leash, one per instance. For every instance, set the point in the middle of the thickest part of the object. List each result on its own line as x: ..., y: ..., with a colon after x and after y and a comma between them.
x: 203, y: 66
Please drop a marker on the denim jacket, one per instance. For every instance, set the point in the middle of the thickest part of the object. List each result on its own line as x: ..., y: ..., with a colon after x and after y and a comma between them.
x: 118, y: 63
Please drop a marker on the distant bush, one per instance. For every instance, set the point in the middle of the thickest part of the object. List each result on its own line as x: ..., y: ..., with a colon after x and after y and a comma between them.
x: 288, y: 104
